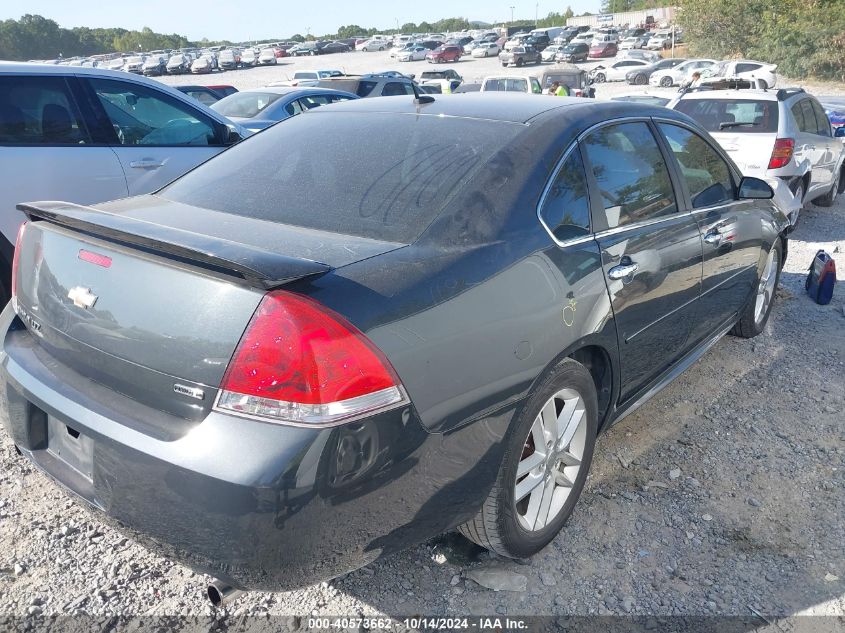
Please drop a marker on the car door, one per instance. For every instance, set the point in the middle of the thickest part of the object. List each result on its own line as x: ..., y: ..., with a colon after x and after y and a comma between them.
x: 810, y: 148
x: 48, y: 150
x: 156, y: 136
x: 651, y: 248
x: 731, y: 229
x: 618, y: 70
x: 831, y: 148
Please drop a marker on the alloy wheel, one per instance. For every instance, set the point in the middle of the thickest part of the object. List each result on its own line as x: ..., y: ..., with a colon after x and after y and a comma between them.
x: 766, y: 287
x: 551, y: 460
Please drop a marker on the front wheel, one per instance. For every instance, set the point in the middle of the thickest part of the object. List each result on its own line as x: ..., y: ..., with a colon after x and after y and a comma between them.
x: 666, y: 82
x: 641, y: 80
x: 546, y: 462
x: 600, y: 78
x: 519, y: 63
x: 756, y: 314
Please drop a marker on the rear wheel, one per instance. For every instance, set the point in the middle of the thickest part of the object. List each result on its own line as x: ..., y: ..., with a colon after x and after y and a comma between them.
x: 827, y: 199
x: 762, y: 83
x: 641, y: 80
x: 756, y: 313
x: 545, y: 466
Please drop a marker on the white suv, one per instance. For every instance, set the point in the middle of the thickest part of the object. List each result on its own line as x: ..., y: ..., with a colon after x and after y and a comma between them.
x: 782, y: 136
x: 87, y: 135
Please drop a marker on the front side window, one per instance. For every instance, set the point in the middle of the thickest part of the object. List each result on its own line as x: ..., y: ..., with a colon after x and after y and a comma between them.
x: 566, y: 207
x: 143, y: 116
x: 822, y: 121
x: 706, y: 174
x: 39, y: 111
x: 632, y: 177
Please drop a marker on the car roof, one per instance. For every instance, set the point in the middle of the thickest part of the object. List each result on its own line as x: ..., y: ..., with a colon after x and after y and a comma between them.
x: 499, y: 106
x: 290, y: 90
x: 754, y: 93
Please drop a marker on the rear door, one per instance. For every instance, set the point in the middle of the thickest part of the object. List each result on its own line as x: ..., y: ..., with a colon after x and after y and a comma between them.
x: 651, y: 249
x: 810, y: 147
x: 832, y: 148
x: 48, y: 151
x: 731, y: 229
x: 156, y: 136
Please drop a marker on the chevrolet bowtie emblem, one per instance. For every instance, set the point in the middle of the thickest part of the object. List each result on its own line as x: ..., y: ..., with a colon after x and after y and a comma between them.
x: 82, y: 297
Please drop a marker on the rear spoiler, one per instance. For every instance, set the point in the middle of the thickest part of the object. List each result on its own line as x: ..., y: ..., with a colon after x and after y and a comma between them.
x: 258, y: 268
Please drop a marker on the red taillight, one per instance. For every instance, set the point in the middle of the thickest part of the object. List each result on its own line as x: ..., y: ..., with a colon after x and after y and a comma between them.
x: 782, y: 153
x: 300, y: 362
x: 15, y: 259
x: 95, y: 258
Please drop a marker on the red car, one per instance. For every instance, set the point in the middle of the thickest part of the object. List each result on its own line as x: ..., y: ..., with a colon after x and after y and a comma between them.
x: 444, y: 54
x: 605, y: 49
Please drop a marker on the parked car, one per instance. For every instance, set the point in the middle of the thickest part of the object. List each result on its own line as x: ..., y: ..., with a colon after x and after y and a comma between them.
x: 267, y: 57
x: 779, y: 135
x: 202, y: 66
x: 303, y: 49
x: 649, y: 56
x: 575, y: 52
x: 223, y: 89
x: 540, y: 42
x: 401, y: 48
x: 834, y: 107
x: 259, y: 108
x: 229, y: 59
x: 486, y: 49
x: 444, y: 54
x: 639, y: 76
x: 375, y: 85
x: 303, y: 78
x: 548, y: 55
x: 660, y: 40
x: 634, y: 42
x: 178, y: 65
x: 763, y: 73
x: 669, y: 77
x: 134, y: 64
x: 153, y: 134
x: 604, y: 49
x: 205, y: 95
x: 616, y: 71
x: 375, y: 45
x: 326, y: 48
x: 317, y: 455
x: 249, y: 57
x: 511, y: 83
x: 413, y: 54
x: 519, y: 56
x: 646, y: 99
x: 154, y: 66
x: 447, y: 79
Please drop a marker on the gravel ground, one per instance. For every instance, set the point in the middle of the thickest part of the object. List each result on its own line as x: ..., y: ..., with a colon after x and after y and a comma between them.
x: 722, y: 495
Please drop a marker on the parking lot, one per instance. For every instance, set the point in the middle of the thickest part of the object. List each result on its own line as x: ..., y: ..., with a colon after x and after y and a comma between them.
x: 722, y: 495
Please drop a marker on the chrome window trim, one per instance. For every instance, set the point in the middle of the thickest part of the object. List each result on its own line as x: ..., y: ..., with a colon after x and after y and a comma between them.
x: 558, y: 166
x: 641, y: 224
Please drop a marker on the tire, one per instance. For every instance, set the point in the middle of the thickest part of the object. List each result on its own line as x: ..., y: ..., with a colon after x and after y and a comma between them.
x: 503, y: 523
x: 827, y: 199
x: 762, y: 83
x: 754, y: 317
x: 666, y: 82
x: 640, y: 80
x: 600, y: 78
x: 519, y: 63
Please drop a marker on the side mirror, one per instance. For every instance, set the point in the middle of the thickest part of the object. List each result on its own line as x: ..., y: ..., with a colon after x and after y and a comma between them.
x: 755, y: 189
x: 840, y: 132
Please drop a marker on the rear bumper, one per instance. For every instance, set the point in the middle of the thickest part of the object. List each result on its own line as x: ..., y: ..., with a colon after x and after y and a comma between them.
x: 260, y: 506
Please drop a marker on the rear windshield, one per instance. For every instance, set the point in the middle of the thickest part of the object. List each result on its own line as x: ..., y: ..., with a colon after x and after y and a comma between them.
x: 732, y: 115
x: 389, y: 191
x: 245, y: 104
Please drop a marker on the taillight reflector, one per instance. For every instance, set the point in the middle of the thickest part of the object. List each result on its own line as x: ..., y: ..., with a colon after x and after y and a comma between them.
x: 15, y: 260
x: 95, y: 258
x: 782, y: 153
x: 300, y: 362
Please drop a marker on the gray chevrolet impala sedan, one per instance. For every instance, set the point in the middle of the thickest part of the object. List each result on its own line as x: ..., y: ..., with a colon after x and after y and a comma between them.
x: 277, y: 371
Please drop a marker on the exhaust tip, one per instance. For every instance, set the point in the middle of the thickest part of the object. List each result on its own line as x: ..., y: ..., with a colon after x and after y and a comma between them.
x: 219, y: 593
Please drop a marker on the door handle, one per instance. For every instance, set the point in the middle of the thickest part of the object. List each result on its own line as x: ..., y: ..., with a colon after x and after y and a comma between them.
x: 623, y: 271
x: 713, y: 237
x: 146, y: 163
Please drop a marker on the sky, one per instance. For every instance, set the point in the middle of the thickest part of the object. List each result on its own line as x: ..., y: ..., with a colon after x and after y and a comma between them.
x: 239, y: 21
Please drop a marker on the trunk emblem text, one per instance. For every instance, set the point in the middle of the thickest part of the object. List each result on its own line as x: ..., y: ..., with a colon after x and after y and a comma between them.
x: 191, y: 392
x: 82, y: 297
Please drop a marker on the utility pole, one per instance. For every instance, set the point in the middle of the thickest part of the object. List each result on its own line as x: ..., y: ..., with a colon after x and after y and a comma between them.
x: 536, y: 12
x: 512, y: 8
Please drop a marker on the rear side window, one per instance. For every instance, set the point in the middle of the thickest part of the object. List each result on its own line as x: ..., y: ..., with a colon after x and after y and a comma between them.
x: 747, y: 116
x: 39, y: 111
x: 566, y: 207
x: 365, y: 88
x: 390, y: 191
x: 506, y: 85
x: 631, y: 174
x: 245, y: 104
x: 706, y: 174
x: 396, y: 88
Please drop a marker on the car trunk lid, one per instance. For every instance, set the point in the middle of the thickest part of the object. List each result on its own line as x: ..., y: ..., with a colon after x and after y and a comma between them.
x: 750, y: 151
x: 150, y: 297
